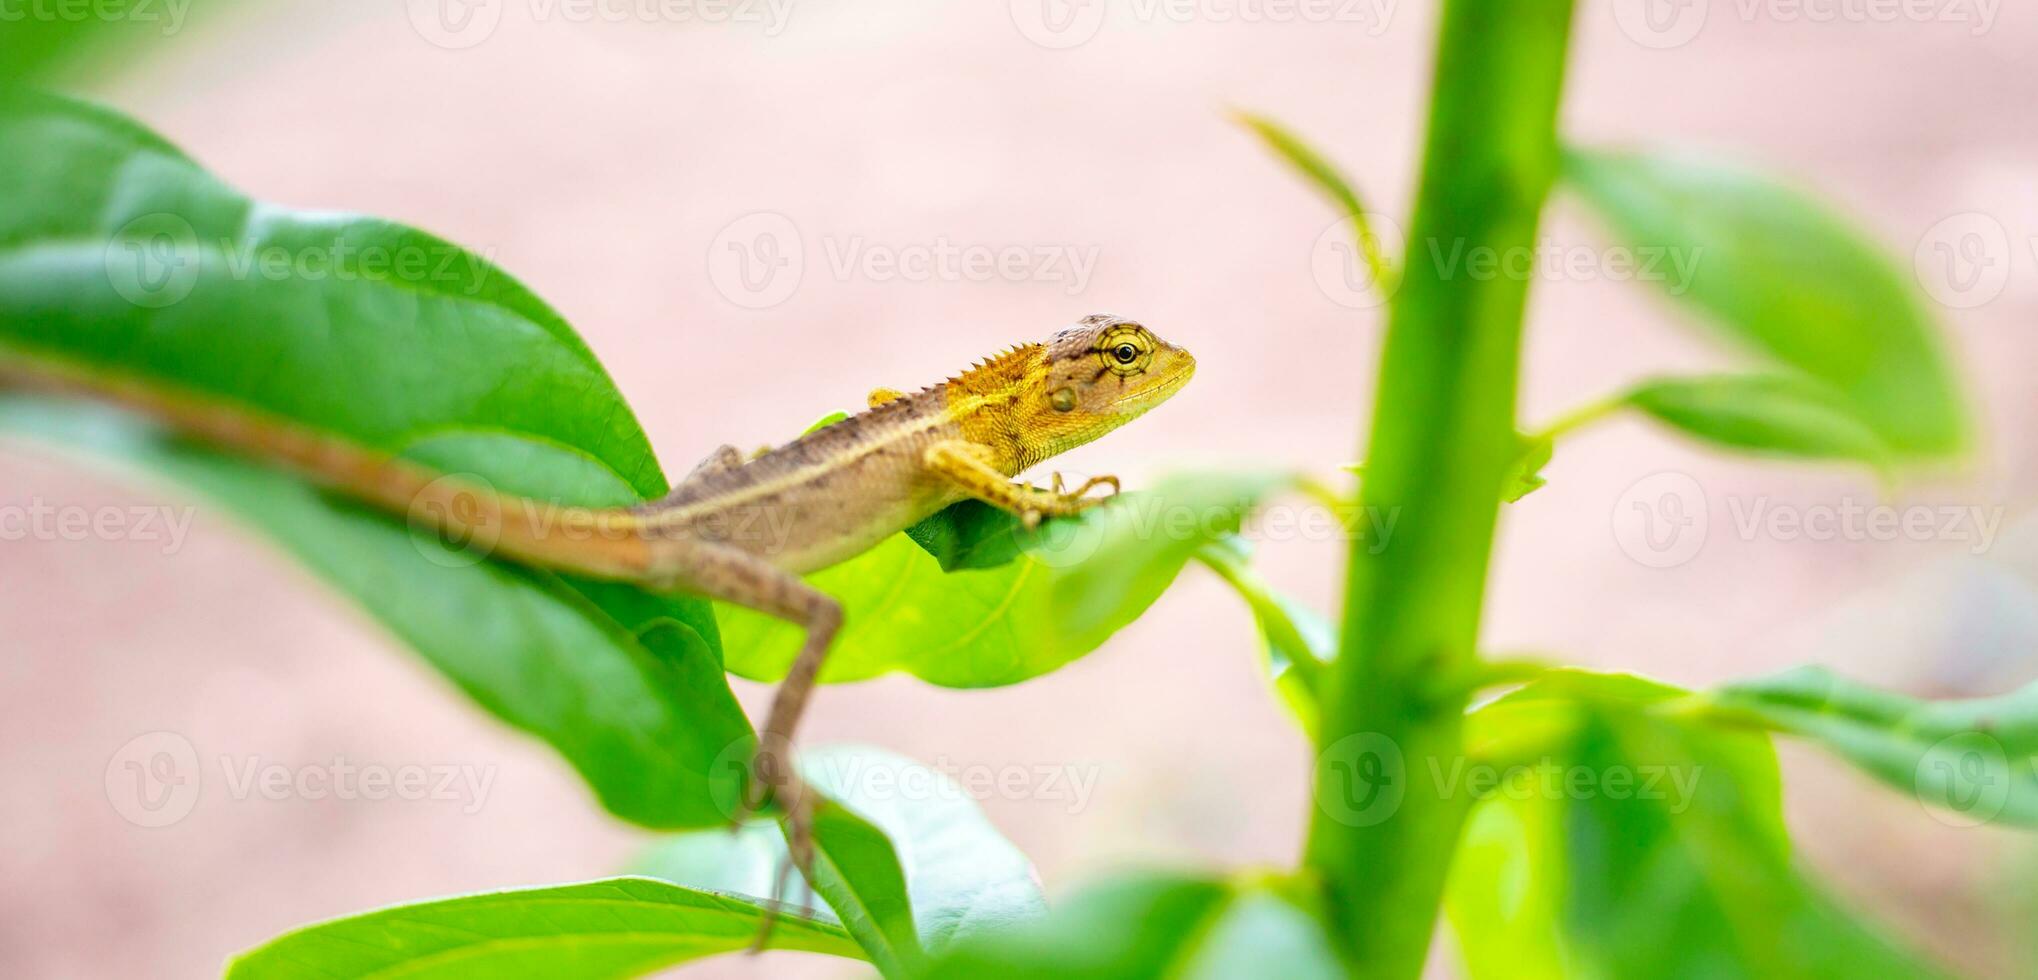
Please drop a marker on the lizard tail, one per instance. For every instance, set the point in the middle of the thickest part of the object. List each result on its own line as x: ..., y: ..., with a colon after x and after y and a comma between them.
x: 604, y: 543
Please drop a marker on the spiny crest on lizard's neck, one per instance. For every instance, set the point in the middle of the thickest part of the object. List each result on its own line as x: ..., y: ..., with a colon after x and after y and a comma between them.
x: 1004, y: 373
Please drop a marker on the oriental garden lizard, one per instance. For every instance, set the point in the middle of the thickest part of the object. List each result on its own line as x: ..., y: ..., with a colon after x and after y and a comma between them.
x: 735, y: 529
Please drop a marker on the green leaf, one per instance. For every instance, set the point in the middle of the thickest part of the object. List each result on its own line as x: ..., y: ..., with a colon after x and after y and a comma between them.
x: 87, y: 41
x: 1651, y: 842
x: 617, y: 927
x: 1503, y: 901
x: 962, y: 876
x: 1297, y: 640
x: 858, y: 872
x: 1975, y: 760
x: 973, y: 534
x: 121, y: 255
x: 1073, y: 583
x: 743, y: 860
x: 1777, y: 415
x: 905, y: 855
x: 1787, y: 278
x: 1319, y: 171
x: 825, y: 421
x: 1526, y: 475
x: 1160, y: 925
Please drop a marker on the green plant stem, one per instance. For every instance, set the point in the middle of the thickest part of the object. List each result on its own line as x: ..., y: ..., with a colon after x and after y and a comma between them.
x: 1443, y: 439
x: 1580, y: 417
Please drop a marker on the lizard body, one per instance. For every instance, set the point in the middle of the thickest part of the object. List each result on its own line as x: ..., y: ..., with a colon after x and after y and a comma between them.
x: 739, y: 530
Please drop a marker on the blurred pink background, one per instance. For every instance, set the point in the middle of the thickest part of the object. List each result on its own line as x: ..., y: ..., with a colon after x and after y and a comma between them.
x: 600, y: 161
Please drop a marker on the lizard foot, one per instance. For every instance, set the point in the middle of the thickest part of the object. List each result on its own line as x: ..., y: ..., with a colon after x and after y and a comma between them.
x: 1080, y: 494
x: 1059, y: 501
x: 773, y: 782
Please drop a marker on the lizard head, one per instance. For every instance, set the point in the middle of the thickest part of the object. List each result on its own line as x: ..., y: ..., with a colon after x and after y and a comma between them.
x: 1102, y: 373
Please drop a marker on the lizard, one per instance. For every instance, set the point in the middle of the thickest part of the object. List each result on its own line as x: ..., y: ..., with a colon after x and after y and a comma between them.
x: 743, y: 529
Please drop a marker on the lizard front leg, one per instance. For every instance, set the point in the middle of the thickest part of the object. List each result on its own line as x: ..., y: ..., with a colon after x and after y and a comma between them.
x: 967, y: 466
x: 880, y: 396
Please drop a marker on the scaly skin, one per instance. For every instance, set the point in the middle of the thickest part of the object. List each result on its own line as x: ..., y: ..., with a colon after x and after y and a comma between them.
x: 744, y: 531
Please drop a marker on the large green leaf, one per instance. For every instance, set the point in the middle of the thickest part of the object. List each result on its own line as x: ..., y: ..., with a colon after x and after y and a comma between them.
x: 1975, y: 760
x: 904, y: 856
x: 119, y: 254
x: 618, y: 927
x: 1645, y: 842
x: 1786, y: 277
x: 1503, y: 901
x: 1160, y: 925
x: 1776, y: 415
x: 962, y: 876
x: 1064, y: 590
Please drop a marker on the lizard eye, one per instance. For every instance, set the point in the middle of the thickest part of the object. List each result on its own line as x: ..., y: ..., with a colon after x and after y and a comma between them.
x: 1062, y: 399
x: 1125, y: 353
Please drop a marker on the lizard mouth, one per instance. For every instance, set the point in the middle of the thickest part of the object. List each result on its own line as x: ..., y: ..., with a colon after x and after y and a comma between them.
x: 1161, y: 390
